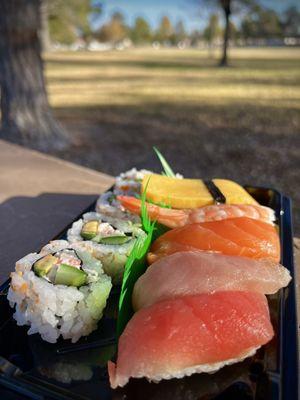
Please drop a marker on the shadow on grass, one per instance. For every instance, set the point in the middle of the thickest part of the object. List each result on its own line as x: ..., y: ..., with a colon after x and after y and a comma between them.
x: 190, y: 63
x: 236, y: 115
x: 175, y: 80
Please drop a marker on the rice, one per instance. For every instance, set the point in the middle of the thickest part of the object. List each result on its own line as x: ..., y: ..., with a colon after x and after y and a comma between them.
x: 58, y: 310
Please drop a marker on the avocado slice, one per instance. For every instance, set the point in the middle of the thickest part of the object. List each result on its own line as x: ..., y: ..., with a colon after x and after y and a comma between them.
x: 70, y: 276
x: 44, y: 265
x: 89, y: 229
x: 116, y: 239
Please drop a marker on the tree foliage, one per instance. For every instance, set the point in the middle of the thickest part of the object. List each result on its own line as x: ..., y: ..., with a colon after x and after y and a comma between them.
x: 165, y: 30
x: 141, y: 32
x: 261, y: 23
x: 290, y: 22
x: 70, y: 19
x: 257, y: 21
x: 213, y: 29
x: 180, y: 32
x: 113, y: 31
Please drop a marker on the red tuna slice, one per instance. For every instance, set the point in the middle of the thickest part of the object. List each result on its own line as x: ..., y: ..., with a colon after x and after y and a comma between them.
x: 182, y: 336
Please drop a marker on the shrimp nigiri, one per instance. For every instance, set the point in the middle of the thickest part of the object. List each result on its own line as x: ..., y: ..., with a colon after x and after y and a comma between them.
x: 173, y: 218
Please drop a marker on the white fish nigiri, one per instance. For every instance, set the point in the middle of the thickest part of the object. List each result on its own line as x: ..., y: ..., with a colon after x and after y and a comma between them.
x: 195, y: 272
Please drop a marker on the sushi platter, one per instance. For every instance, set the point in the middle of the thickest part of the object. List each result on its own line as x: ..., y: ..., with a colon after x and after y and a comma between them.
x: 166, y: 287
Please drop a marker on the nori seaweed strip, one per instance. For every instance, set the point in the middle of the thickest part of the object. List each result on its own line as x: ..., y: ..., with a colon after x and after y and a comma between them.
x: 215, y: 192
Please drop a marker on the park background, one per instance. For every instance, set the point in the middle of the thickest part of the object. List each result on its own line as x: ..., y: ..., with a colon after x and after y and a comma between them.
x: 123, y: 76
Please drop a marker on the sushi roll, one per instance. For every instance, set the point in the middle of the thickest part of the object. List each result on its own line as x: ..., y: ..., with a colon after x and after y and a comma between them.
x: 109, y: 239
x: 109, y: 206
x: 127, y: 183
x: 61, y: 291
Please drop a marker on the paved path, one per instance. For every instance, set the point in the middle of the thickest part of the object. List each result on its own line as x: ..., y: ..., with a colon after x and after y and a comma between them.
x: 39, y: 196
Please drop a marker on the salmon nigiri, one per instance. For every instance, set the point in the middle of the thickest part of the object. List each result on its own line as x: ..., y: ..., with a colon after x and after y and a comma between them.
x: 182, y: 336
x: 195, y: 272
x: 173, y: 218
x: 237, y: 237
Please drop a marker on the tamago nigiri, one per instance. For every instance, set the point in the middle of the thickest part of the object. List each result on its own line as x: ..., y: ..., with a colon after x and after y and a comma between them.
x: 192, y: 193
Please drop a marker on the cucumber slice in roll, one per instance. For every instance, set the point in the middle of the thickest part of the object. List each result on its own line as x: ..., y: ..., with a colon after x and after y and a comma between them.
x: 70, y: 276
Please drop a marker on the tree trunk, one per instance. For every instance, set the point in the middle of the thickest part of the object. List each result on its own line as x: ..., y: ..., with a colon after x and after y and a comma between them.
x: 25, y: 111
x: 44, y: 30
x: 226, y: 8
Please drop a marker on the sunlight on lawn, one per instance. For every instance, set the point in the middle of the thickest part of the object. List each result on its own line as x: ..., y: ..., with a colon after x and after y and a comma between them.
x: 77, y: 79
x: 157, y: 82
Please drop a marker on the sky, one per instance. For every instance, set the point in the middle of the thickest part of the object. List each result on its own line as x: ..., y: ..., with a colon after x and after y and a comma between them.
x: 192, y: 15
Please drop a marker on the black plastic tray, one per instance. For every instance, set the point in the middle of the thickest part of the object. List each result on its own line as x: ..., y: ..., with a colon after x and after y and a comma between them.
x: 31, y: 368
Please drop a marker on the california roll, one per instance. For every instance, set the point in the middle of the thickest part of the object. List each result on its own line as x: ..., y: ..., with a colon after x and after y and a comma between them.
x: 126, y: 184
x: 61, y: 291
x: 108, y: 239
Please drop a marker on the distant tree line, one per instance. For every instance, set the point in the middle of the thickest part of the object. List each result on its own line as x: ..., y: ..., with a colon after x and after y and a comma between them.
x: 69, y: 20
x: 141, y: 32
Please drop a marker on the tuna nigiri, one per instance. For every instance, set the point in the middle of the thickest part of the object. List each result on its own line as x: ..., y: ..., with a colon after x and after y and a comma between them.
x: 196, y: 272
x: 182, y: 336
x: 238, y: 236
x: 173, y: 218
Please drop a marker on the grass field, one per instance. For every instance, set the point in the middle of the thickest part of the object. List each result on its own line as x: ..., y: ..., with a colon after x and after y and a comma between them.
x: 240, y: 122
